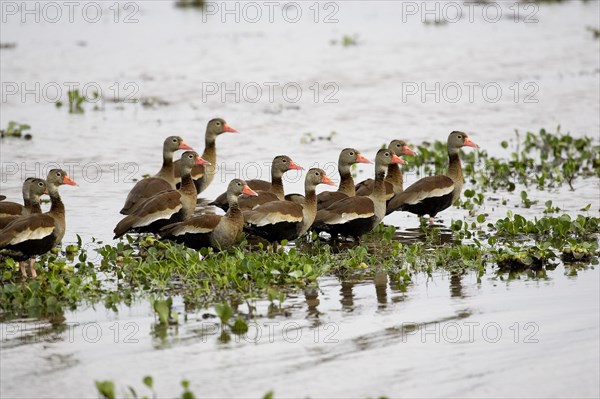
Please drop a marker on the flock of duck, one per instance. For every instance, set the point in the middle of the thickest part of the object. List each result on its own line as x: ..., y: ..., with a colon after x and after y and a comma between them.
x: 165, y: 203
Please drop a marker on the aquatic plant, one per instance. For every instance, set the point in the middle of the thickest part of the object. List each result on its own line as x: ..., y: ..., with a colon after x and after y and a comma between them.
x: 16, y: 129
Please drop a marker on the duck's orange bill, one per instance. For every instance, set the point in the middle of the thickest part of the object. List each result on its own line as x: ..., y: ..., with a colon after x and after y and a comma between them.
x: 470, y: 143
x: 327, y: 180
x: 248, y: 191
x: 407, y: 151
x: 67, y: 180
x: 361, y: 159
x: 295, y: 166
x: 227, y: 128
x: 200, y: 161
x: 397, y: 159
x: 184, y: 146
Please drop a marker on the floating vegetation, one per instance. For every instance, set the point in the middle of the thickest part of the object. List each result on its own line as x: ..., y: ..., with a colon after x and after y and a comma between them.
x: 190, y: 3
x: 16, y: 129
x: 346, y: 41
x: 107, y: 389
x: 76, y: 101
x: 595, y: 32
x: 153, y: 102
x: 309, y: 137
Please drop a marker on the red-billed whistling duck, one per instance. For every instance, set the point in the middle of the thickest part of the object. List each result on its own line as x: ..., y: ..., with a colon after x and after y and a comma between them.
x: 36, y: 234
x: 37, y: 188
x: 348, y: 157
x: 216, y: 231
x: 203, y: 175
x: 433, y: 194
x: 163, y: 180
x: 165, y: 207
x: 355, y: 216
x: 280, y: 165
x: 394, y: 181
x: 286, y: 220
x: 8, y: 208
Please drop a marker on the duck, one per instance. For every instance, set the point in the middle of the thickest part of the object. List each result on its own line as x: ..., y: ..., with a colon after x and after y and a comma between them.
x: 433, y: 194
x: 286, y: 220
x: 161, y: 181
x: 165, y: 207
x: 203, y: 175
x: 274, y: 192
x: 37, y: 188
x: 9, y: 208
x: 394, y: 180
x: 36, y: 234
x: 209, y: 230
x: 355, y: 216
x: 347, y: 158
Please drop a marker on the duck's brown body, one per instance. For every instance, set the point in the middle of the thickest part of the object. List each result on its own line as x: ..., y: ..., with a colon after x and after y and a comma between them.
x: 355, y: 216
x: 218, y: 232
x: 285, y: 220
x: 162, y: 181
x: 431, y: 195
x: 203, y: 175
x: 165, y: 207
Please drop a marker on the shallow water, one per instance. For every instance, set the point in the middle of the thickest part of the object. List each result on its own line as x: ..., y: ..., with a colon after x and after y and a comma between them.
x: 444, y: 336
x: 173, y: 54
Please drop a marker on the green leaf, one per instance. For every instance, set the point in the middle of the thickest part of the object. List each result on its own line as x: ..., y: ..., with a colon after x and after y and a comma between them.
x: 106, y: 389
x: 148, y: 381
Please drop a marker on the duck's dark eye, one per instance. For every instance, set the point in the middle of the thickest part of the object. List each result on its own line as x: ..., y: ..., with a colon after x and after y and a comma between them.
x: 284, y: 160
x: 351, y: 153
x: 175, y: 140
x: 460, y: 137
x: 387, y: 154
x: 218, y: 123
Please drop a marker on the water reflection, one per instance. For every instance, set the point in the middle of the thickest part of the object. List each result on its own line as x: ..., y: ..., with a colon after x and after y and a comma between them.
x: 312, y: 302
x: 456, y: 288
x: 381, y: 283
x: 347, y: 293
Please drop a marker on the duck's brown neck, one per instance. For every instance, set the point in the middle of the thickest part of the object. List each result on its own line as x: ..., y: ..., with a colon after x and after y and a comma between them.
x: 379, y: 186
x: 166, y: 171
x: 234, y: 212
x: 455, y: 168
x: 310, y: 196
x: 394, y: 176
x: 57, y: 208
x: 34, y: 206
x: 277, y: 183
x: 346, y: 181
x: 210, y: 149
x: 167, y: 160
x: 187, y: 183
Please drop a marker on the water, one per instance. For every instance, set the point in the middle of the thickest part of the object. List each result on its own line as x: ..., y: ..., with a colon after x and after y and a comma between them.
x: 174, y: 55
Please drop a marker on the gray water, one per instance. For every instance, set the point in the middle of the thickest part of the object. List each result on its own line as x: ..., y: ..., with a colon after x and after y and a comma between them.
x: 176, y: 55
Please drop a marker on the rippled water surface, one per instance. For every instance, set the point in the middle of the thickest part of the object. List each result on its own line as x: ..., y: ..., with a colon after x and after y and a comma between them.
x: 528, y: 336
